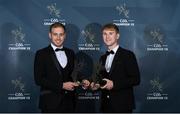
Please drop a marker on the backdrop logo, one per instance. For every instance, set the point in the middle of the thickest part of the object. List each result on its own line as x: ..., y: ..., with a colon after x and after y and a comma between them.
x: 124, y: 13
x: 155, y: 37
x: 55, y: 15
x: 90, y: 43
x: 53, y: 10
x: 91, y: 37
x: 122, y: 10
x: 18, y: 38
x: 19, y: 90
x: 156, y: 85
x: 88, y: 95
x: 18, y: 84
x: 18, y: 35
x: 156, y: 92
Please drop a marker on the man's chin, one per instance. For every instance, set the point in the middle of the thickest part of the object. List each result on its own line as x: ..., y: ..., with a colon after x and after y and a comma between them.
x: 58, y: 45
x: 108, y: 45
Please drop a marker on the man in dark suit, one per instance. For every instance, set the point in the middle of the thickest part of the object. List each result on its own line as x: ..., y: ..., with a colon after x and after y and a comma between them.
x: 53, y: 66
x: 121, y: 73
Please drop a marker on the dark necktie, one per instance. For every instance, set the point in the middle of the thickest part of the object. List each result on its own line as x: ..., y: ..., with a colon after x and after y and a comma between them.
x: 109, y: 52
x: 57, y: 49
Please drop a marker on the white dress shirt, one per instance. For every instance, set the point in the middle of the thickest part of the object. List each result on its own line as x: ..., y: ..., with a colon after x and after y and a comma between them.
x: 61, y: 56
x: 110, y: 58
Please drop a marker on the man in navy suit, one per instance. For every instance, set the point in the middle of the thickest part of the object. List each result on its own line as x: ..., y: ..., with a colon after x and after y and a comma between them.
x: 121, y: 74
x: 53, y: 66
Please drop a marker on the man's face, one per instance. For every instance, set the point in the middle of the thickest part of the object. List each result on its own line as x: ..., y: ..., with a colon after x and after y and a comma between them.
x: 110, y: 37
x: 57, y: 36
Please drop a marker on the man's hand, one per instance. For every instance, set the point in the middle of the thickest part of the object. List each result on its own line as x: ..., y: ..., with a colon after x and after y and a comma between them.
x: 85, y: 84
x: 94, y: 86
x: 69, y: 86
x: 109, y: 84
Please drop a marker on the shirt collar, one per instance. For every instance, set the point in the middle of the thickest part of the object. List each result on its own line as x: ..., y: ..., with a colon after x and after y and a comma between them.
x: 115, y: 49
x: 54, y: 47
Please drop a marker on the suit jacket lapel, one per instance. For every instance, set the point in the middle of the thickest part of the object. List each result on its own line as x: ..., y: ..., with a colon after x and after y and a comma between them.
x: 67, y: 55
x: 54, y: 58
x: 103, y: 60
x: 116, y: 57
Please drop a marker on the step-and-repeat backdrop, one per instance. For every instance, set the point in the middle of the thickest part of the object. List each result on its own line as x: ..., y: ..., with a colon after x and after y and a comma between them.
x: 149, y: 28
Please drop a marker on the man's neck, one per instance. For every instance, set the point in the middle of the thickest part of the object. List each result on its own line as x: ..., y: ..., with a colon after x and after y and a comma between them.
x: 54, y: 47
x: 112, y: 47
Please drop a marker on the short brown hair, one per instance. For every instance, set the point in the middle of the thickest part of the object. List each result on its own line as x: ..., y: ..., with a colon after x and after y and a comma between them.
x: 111, y: 26
x: 55, y: 25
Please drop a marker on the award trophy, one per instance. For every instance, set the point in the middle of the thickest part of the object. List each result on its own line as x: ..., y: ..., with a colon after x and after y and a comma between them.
x: 99, y: 73
x: 76, y: 74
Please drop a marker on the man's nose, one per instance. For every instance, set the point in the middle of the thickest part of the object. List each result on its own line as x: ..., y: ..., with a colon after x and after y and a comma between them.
x: 107, y: 36
x: 59, y: 36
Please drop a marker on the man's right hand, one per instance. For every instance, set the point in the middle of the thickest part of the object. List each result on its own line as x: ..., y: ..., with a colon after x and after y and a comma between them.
x: 69, y: 86
x: 85, y: 84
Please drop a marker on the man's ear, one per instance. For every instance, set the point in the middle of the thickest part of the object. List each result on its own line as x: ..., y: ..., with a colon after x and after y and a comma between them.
x: 65, y: 36
x: 49, y: 35
x: 118, y: 35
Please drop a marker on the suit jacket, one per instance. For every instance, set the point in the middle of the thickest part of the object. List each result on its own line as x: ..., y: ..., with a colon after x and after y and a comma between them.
x: 125, y: 74
x: 49, y: 75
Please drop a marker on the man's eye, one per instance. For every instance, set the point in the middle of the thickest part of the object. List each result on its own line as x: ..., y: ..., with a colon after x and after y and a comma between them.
x: 110, y: 33
x: 55, y: 34
x: 104, y: 33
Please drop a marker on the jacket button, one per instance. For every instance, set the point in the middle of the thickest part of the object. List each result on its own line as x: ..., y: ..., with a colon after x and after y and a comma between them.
x: 108, y: 96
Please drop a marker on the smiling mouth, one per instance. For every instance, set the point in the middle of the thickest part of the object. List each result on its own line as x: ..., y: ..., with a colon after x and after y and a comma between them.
x: 108, y: 40
x: 58, y: 41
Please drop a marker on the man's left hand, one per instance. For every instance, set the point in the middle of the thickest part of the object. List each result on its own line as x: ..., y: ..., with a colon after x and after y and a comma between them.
x: 109, y: 84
